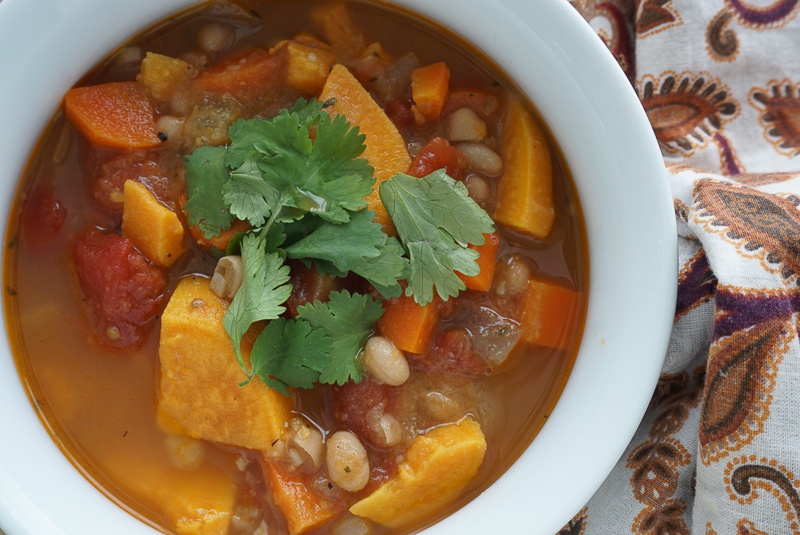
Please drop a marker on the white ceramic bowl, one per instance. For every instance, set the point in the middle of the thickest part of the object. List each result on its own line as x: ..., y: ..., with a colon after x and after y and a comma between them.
x: 596, y: 118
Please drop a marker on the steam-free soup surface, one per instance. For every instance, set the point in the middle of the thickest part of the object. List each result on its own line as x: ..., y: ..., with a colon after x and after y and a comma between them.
x: 101, y: 375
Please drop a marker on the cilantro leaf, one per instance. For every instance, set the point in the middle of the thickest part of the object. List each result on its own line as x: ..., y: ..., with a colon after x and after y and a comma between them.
x: 264, y: 290
x: 245, y: 134
x: 347, y: 319
x: 290, y: 353
x: 435, y: 220
x: 301, y: 228
x: 249, y: 196
x: 359, y: 245
x: 206, y: 174
x: 338, y: 173
x: 262, y: 155
x: 379, y: 271
x: 320, y: 177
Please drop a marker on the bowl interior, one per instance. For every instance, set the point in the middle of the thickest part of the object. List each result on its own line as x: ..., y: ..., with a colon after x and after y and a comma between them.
x: 609, y: 146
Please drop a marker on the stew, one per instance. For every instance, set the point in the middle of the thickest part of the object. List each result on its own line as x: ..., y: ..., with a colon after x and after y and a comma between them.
x: 295, y: 267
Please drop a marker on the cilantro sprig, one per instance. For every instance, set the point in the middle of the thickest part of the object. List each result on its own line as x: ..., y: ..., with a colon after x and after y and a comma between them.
x: 297, y: 179
x: 436, y: 219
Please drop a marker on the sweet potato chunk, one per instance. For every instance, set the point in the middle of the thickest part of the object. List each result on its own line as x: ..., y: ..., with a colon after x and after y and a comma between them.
x: 164, y: 76
x: 338, y: 27
x: 385, y: 149
x: 525, y: 191
x: 192, y: 501
x: 438, y: 466
x: 205, y: 507
x: 309, y: 63
x: 200, y: 394
x: 152, y: 227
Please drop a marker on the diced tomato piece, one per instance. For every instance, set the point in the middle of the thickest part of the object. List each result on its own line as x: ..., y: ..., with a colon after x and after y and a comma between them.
x: 359, y: 406
x: 445, y: 309
x: 110, y: 170
x: 43, y: 216
x: 452, y: 354
x: 308, y: 285
x: 122, y: 290
x: 399, y: 112
x: 439, y: 154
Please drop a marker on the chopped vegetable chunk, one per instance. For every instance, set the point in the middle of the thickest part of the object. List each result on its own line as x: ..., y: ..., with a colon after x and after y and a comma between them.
x: 108, y: 174
x: 385, y: 148
x: 205, y: 508
x: 408, y: 324
x: 200, y: 499
x: 439, y: 154
x: 437, y: 467
x: 165, y: 77
x: 525, y: 191
x: 338, y: 27
x: 252, y: 77
x: 453, y: 353
x: 310, y: 63
x: 152, y: 227
x: 199, y: 387
x: 547, y: 311
x: 429, y: 86
x: 114, y: 115
x: 42, y: 217
x: 122, y: 290
x: 487, y: 261
x: 302, y: 507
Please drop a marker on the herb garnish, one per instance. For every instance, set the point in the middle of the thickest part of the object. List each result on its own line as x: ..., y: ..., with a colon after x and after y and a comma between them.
x: 436, y: 219
x: 298, y: 180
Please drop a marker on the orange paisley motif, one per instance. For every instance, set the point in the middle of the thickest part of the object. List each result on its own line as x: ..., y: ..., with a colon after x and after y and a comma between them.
x: 779, y: 113
x: 746, y: 477
x: 761, y: 225
x: 746, y: 527
x: 654, y: 16
x: 740, y: 378
x: 687, y: 111
x: 576, y: 526
x: 665, y: 519
x: 656, y: 468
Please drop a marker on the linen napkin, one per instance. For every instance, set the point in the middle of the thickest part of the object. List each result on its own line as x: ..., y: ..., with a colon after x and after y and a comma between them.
x: 718, y: 452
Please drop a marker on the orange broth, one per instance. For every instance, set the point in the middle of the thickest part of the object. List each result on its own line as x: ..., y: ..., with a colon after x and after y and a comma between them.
x: 99, y: 405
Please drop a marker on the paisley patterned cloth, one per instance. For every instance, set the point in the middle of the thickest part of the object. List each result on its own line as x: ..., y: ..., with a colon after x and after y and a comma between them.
x: 718, y: 452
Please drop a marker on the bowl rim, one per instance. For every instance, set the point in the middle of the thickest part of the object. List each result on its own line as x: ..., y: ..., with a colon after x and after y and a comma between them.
x: 632, y: 252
